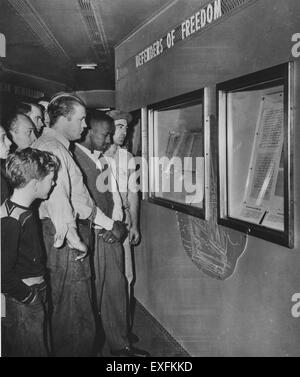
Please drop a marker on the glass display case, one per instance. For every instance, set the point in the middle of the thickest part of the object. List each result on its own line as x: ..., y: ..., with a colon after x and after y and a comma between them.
x: 254, y: 154
x: 176, y: 153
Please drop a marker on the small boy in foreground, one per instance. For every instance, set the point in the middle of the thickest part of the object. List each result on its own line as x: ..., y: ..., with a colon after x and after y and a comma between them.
x: 31, y: 174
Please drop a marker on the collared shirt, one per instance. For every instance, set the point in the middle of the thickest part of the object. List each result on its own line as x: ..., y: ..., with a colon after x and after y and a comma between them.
x: 117, y: 213
x: 70, y: 197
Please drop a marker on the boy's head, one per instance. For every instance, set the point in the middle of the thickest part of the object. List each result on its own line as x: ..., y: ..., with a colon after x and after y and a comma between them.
x: 32, y: 169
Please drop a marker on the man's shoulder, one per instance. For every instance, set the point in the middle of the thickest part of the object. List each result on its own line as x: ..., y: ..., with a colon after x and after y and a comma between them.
x: 45, y: 141
x: 81, y: 157
x: 52, y: 145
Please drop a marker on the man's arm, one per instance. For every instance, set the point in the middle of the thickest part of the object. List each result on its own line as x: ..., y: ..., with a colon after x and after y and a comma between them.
x: 134, y: 232
x: 134, y: 202
x: 102, y: 220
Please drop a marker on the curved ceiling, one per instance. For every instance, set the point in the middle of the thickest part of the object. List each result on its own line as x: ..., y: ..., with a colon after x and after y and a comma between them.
x: 47, y: 38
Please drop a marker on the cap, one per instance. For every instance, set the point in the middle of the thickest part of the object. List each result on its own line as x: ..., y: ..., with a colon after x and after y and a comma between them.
x: 119, y: 114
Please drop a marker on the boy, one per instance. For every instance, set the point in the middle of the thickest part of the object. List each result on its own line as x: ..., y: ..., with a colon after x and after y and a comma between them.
x: 31, y: 174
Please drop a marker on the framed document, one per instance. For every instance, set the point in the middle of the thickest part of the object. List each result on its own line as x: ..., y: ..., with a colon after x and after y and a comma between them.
x: 255, y: 183
x: 177, y: 174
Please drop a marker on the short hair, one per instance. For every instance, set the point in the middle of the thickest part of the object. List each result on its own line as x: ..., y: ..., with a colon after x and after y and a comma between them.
x: 96, y: 116
x: 62, y: 105
x: 14, y: 120
x: 28, y: 164
x: 23, y: 108
x: 26, y: 107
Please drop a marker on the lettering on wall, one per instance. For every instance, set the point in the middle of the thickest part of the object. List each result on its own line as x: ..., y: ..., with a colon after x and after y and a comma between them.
x: 209, y: 14
x: 198, y: 21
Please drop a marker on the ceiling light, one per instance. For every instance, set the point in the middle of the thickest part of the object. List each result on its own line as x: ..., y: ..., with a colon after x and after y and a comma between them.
x: 87, y: 66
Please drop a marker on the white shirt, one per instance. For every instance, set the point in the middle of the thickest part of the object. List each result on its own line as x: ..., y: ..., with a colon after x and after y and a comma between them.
x: 69, y: 197
x: 123, y: 169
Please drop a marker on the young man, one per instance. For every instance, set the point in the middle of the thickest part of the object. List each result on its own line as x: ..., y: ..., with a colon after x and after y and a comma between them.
x: 108, y: 258
x: 35, y: 112
x: 125, y: 168
x: 31, y: 174
x: 22, y: 131
x: 67, y: 216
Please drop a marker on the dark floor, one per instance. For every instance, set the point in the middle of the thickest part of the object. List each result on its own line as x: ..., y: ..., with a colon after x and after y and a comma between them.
x: 152, y: 336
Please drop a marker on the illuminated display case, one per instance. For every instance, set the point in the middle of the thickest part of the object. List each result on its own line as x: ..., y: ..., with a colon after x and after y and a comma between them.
x: 255, y: 157
x: 177, y: 153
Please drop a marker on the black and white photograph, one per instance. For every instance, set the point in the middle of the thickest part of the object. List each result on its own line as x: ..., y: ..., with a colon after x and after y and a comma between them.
x: 150, y: 181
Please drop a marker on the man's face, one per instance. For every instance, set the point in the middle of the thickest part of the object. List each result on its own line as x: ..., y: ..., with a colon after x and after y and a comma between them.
x: 44, y: 186
x: 5, y: 144
x: 120, y: 133
x: 75, y: 123
x: 36, y: 116
x: 101, y: 135
x: 23, y: 134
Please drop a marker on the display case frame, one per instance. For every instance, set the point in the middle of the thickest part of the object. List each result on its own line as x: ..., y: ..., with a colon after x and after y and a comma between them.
x: 282, y: 75
x: 189, y: 99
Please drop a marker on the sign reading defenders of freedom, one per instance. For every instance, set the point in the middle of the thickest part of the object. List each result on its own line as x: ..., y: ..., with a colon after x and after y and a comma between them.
x: 204, y: 17
x: 199, y: 20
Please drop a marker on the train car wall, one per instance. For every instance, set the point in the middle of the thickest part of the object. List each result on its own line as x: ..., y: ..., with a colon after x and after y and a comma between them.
x: 251, y: 312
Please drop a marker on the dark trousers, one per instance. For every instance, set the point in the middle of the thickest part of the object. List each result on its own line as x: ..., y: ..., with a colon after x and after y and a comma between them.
x: 72, y: 318
x: 110, y: 283
x: 24, y: 329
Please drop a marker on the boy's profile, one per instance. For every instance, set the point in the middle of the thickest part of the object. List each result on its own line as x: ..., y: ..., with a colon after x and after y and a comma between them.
x: 31, y: 174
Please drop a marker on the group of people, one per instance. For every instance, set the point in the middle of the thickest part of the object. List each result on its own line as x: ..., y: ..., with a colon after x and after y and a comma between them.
x: 66, y: 268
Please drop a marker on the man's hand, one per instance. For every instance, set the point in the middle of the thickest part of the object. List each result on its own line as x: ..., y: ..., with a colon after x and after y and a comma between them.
x: 75, y: 243
x: 134, y: 236
x: 119, y: 230
x: 109, y: 237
